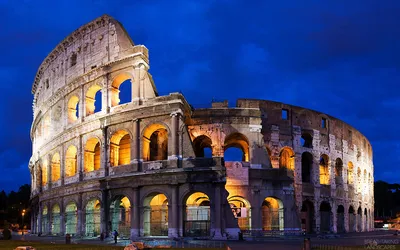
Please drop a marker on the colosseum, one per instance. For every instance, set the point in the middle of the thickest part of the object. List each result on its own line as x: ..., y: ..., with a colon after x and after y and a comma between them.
x: 154, y: 165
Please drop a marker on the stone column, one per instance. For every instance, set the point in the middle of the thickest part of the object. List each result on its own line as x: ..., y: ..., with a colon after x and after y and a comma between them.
x: 62, y: 217
x: 135, y: 149
x: 49, y: 170
x: 136, y: 85
x: 104, y: 151
x: 216, y: 230
x: 135, y: 221
x: 104, y: 212
x: 317, y: 216
x: 256, y: 216
x: 80, y: 206
x: 62, y: 164
x: 346, y: 219
x: 173, y: 216
x: 334, y: 218
x: 81, y: 107
x: 174, y: 135
x: 80, y: 161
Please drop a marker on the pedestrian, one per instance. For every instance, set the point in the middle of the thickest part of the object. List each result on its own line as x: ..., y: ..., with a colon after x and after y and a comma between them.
x: 115, y: 233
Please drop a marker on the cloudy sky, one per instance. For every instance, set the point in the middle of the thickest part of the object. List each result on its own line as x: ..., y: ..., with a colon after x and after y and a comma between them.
x: 339, y: 57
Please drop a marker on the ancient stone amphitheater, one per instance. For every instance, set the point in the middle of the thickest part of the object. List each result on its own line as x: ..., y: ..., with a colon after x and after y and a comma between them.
x: 154, y: 165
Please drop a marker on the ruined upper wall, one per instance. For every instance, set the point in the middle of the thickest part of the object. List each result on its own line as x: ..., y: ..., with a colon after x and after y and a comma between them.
x: 94, y: 44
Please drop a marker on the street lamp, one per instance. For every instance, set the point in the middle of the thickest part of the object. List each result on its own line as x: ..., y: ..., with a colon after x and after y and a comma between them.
x: 23, y: 214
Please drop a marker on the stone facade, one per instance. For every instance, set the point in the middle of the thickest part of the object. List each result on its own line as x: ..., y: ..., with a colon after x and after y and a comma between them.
x: 141, y: 167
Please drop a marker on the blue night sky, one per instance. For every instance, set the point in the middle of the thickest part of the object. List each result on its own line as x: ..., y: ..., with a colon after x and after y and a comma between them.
x: 339, y: 57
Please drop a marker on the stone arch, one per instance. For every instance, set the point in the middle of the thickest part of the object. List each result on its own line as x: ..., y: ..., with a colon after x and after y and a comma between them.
x: 115, y: 87
x: 306, y: 140
x: 71, y: 217
x: 120, y: 148
x: 324, y: 170
x: 325, y: 211
x: 55, y: 167
x: 92, y: 157
x: 197, y: 216
x: 55, y: 219
x: 120, y: 215
x: 352, y: 219
x: 71, y: 165
x: 241, y: 209
x: 272, y: 214
x: 339, y: 171
x: 92, y: 217
x: 306, y: 167
x: 155, y: 214
x: 45, y: 220
x: 73, y: 109
x: 307, y: 216
x: 240, y: 141
x: 90, y: 99
x: 350, y: 173
x: 155, y: 142
x: 200, y: 144
x: 340, y: 219
x: 286, y: 158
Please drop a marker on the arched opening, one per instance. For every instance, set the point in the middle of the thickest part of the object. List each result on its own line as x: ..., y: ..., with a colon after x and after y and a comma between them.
x: 197, y: 218
x: 272, y: 214
x: 359, y: 219
x: 241, y: 210
x: 202, y: 146
x: 55, y: 220
x: 120, y: 212
x: 92, y: 213
x: 120, y: 148
x: 155, y: 143
x: 121, y: 90
x: 324, y: 176
x: 340, y: 219
x: 73, y: 109
x: 92, y: 155
x: 71, y: 218
x: 350, y: 173
x: 71, y: 161
x: 286, y: 158
x: 306, y: 166
x: 359, y: 180
x: 325, y: 215
x: 238, y: 141
x: 55, y: 168
x: 307, y: 217
x: 45, y: 220
x: 44, y: 173
x: 366, y: 226
x: 306, y: 140
x: 352, y: 219
x: 155, y: 220
x: 339, y: 171
x: 93, y: 100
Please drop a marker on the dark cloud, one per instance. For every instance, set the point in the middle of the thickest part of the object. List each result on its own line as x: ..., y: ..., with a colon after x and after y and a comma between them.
x: 339, y: 57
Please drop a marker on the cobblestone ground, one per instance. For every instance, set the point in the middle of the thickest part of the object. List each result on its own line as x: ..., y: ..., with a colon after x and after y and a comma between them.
x: 288, y: 243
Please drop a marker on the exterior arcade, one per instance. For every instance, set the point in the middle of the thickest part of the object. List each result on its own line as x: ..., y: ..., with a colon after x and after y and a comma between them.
x: 154, y: 165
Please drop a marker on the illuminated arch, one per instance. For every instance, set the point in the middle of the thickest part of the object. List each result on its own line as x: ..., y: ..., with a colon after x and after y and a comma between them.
x: 120, y: 212
x: 286, y: 158
x: 324, y: 173
x: 55, y: 168
x: 115, y: 87
x: 44, y: 172
x: 73, y: 108
x: 90, y: 100
x: 238, y: 140
x: 55, y: 219
x: 241, y: 210
x: 155, y: 143
x: 350, y: 173
x: 71, y: 161
x: 197, y: 219
x: 45, y: 220
x: 155, y: 217
x: 71, y: 218
x: 92, y: 155
x: 272, y: 214
x: 92, y: 218
x: 120, y: 148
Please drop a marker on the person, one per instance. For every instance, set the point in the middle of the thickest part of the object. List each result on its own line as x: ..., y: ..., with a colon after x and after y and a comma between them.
x: 115, y: 233
x: 102, y: 236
